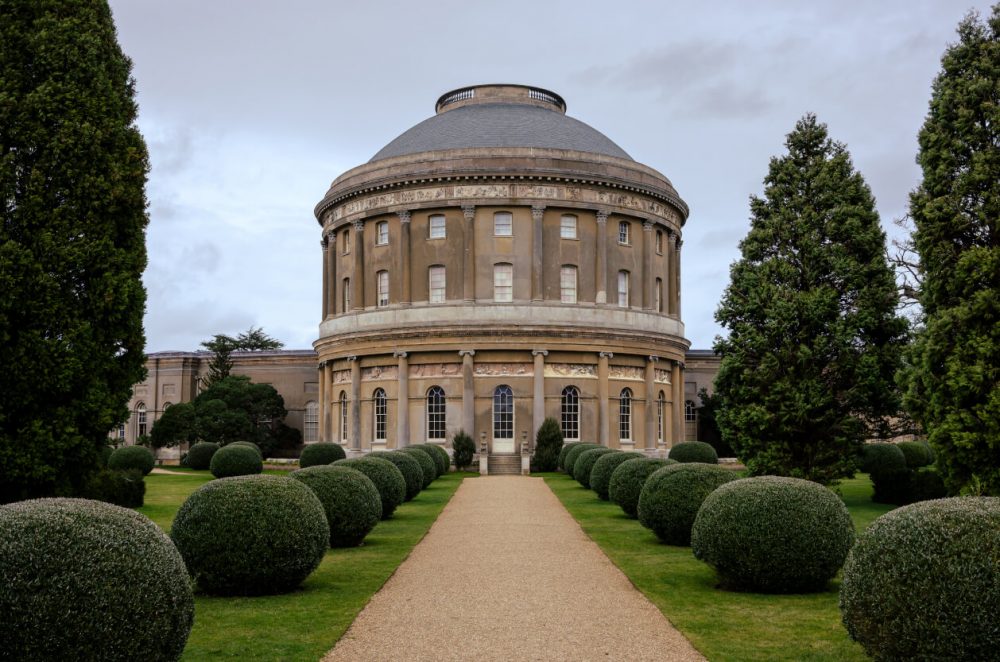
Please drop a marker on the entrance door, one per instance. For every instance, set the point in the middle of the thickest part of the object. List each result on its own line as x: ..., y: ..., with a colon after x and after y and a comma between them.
x: 503, y: 419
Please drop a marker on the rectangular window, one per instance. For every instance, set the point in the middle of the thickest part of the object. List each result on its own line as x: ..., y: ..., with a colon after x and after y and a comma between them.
x: 347, y: 296
x: 567, y: 227
x: 567, y: 284
x: 623, y: 286
x: 436, y: 227
x: 503, y: 282
x: 310, y: 423
x: 436, y: 284
x: 659, y: 295
x: 659, y: 242
x: 347, y: 241
x: 623, y: 232
x: 503, y: 224
x: 383, y: 289
x: 382, y: 233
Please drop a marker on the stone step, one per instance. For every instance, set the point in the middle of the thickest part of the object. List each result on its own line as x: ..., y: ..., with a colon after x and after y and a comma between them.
x: 505, y: 465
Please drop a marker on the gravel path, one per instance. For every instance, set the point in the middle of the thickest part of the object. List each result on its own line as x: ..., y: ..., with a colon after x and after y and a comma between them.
x: 506, y: 573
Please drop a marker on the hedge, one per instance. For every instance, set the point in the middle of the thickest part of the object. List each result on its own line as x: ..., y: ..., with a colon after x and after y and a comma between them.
x: 235, y: 460
x: 882, y: 458
x: 627, y: 480
x: 671, y: 497
x: 351, y: 501
x: 122, y: 488
x: 574, y: 453
x: 388, y: 480
x: 322, y: 453
x: 199, y: 456
x: 428, y: 467
x: 248, y: 444
x: 563, y: 452
x: 439, y: 455
x: 694, y: 451
x: 600, y: 474
x: 585, y: 462
x: 132, y: 457
x: 916, y: 453
x: 409, y: 467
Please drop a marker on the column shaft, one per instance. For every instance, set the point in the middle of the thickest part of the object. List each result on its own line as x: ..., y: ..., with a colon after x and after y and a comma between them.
x: 403, y: 401
x: 468, y: 393
x: 602, y: 257
x: 647, y: 266
x: 469, y: 256
x: 651, y: 403
x: 603, y: 408
x: 537, y: 214
x: 677, y: 386
x: 538, y: 401
x: 677, y: 277
x: 672, y: 275
x: 331, y: 301
x: 326, y: 278
x: 358, y: 284
x: 355, y: 402
x: 323, y: 404
x: 404, y: 258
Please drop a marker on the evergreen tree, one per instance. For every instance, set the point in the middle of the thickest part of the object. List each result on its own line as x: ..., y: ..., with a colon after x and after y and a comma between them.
x: 548, y: 443
x: 814, y: 340
x: 954, y: 379
x: 223, y: 346
x: 72, y: 242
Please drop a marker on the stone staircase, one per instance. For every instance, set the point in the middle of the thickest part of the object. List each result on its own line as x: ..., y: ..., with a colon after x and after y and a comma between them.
x: 505, y: 465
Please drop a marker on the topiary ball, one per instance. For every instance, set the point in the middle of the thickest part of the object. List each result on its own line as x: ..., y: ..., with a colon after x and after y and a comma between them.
x: 882, y: 458
x: 251, y: 535
x: 915, y: 453
x: 923, y: 582
x: 410, y: 468
x: 627, y: 480
x: 600, y: 474
x: 428, y: 466
x: 574, y: 453
x: 85, y: 580
x: 132, y: 457
x: 440, y: 457
x: 322, y: 453
x: 235, y: 460
x: 351, y: 501
x: 200, y: 454
x: 248, y: 444
x: 585, y: 462
x: 694, y: 451
x: 563, y: 452
x: 773, y: 534
x: 672, y: 495
x: 388, y: 480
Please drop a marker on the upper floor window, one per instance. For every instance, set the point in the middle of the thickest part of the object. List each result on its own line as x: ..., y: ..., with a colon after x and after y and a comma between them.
x: 381, y: 414
x: 503, y: 282
x: 436, y: 284
x: 625, y: 415
x: 658, y: 293
x: 346, y: 243
x: 346, y: 299
x: 383, y: 289
x: 140, y: 419
x: 382, y: 233
x: 567, y: 226
x: 624, y: 232
x: 659, y: 242
x: 567, y: 284
x: 310, y: 423
x: 503, y: 224
x: 690, y: 412
x: 436, y: 227
x: 623, y: 289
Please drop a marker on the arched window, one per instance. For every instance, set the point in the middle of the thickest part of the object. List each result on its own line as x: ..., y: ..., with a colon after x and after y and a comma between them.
x: 140, y: 419
x: 503, y: 412
x: 380, y: 414
x: 625, y: 415
x: 624, y: 232
x: 690, y: 412
x: 436, y: 227
x: 346, y: 299
x: 382, y: 233
x: 382, y: 283
x: 567, y: 284
x: 567, y: 226
x: 166, y: 405
x: 659, y: 295
x: 570, y: 410
x: 121, y: 431
x: 503, y: 224
x: 435, y: 413
x: 503, y: 282
x: 343, y: 416
x: 661, y: 402
x: 436, y: 284
x: 623, y: 289
x: 310, y: 423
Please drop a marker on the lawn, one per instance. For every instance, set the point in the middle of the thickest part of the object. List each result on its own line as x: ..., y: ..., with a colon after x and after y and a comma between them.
x: 306, y: 623
x: 721, y: 624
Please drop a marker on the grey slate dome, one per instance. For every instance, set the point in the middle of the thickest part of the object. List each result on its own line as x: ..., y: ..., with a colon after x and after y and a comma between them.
x: 500, y: 116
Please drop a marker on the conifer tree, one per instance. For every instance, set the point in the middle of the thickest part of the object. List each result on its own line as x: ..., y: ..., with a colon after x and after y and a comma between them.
x: 814, y: 340
x: 954, y: 379
x: 72, y: 242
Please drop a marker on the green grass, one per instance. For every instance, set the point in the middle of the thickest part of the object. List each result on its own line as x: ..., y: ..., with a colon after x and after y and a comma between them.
x: 304, y: 624
x: 722, y: 625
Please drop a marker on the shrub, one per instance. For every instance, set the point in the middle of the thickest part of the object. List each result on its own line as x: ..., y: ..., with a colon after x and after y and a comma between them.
x: 574, y: 453
x: 428, y: 467
x: 672, y: 495
x: 926, y: 484
x: 773, y: 534
x: 694, y: 451
x: 627, y: 481
x: 122, y: 488
x: 248, y: 444
x: 132, y: 457
x: 907, y: 486
x: 409, y: 467
x: 350, y: 499
x: 323, y: 453
x: 440, y: 457
x: 566, y: 448
x: 463, y: 449
x: 585, y: 462
x: 251, y: 535
x: 600, y: 474
x: 916, y: 454
x: 882, y: 458
x: 923, y: 582
x: 388, y: 480
x: 84, y: 580
x: 199, y: 456
x: 235, y: 460
x: 106, y: 452
x: 548, y: 445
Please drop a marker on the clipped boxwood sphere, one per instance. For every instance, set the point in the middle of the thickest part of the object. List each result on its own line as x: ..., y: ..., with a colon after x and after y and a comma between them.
x: 388, y: 480
x: 132, y: 457
x: 428, y: 466
x: 600, y: 474
x: 923, y: 582
x: 251, y: 535
x: 916, y: 454
x: 773, y: 534
x: 236, y: 460
x: 440, y: 457
x: 574, y: 453
x: 85, y: 580
x: 672, y: 495
x: 351, y: 501
x: 882, y: 458
x: 323, y: 453
x: 200, y: 454
x: 409, y: 467
x: 694, y: 451
x: 627, y: 480
x: 563, y: 452
x: 248, y: 444
x: 585, y: 462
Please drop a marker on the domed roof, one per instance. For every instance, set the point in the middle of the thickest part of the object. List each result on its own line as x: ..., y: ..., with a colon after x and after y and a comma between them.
x: 500, y: 116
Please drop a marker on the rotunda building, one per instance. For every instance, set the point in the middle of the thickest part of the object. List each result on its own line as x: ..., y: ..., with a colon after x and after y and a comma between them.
x: 494, y: 265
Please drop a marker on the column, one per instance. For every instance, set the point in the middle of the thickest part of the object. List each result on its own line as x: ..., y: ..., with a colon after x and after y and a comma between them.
x: 672, y: 276
x: 647, y: 266
x: 538, y: 402
x: 677, y: 277
x: 603, y: 410
x: 402, y: 401
x: 469, y: 256
x: 323, y: 404
x: 355, y: 401
x: 326, y: 277
x: 651, y: 402
x: 326, y: 410
x: 358, y: 279
x: 677, y: 386
x: 404, y: 257
x: 602, y: 257
x: 668, y: 263
x: 537, y: 213
x: 331, y: 302
x: 468, y: 392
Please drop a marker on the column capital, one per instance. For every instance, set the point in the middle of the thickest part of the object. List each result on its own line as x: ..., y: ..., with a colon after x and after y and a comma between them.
x: 647, y: 226
x: 537, y: 211
x: 359, y: 225
x: 404, y: 216
x: 674, y: 239
x: 325, y: 242
x: 602, y: 216
x: 469, y: 211
x: 466, y: 352
x: 653, y: 358
x: 352, y: 358
x: 679, y: 242
x: 679, y: 364
x: 606, y: 355
x: 539, y: 352
x: 399, y: 355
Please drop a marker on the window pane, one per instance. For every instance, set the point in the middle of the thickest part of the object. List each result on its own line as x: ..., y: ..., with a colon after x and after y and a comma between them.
x: 623, y: 232
x: 383, y: 288
x: 437, y: 227
x: 567, y: 227
x: 623, y: 289
x: 503, y: 224
x: 567, y: 284
x: 570, y: 413
x: 382, y: 235
x: 435, y: 413
x: 625, y: 415
x: 503, y: 413
x: 503, y: 282
x: 310, y: 423
x: 436, y: 284
x: 343, y: 416
x: 380, y: 414
x: 659, y: 416
x: 690, y: 412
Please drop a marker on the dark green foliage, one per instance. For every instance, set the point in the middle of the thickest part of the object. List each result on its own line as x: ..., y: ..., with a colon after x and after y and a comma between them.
x: 694, y: 451
x: 174, y: 426
x: 250, y: 445
x: 917, y: 454
x: 251, y: 535
x: 708, y: 427
x: 427, y: 465
x: 105, y: 455
x: 235, y: 408
x: 439, y: 466
x: 672, y: 495
x: 773, y: 534
x: 351, y: 501
x: 814, y: 341
x: 585, y: 462
x: 926, y: 484
x: 409, y: 467
x: 132, y: 457
x: 574, y: 453
x: 199, y: 456
x: 548, y: 446
x: 72, y: 243
x: 223, y: 346
x: 954, y: 383
x: 561, y: 462
x: 440, y: 457
x: 882, y: 458
x: 321, y: 453
x: 124, y: 488
x: 463, y: 450
x: 84, y: 580
x: 907, y: 486
x: 600, y: 474
x: 388, y: 480
x: 923, y: 582
x: 628, y: 479
x: 235, y: 460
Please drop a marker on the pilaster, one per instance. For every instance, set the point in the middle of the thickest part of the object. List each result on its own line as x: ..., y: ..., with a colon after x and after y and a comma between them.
x: 402, y: 401
x: 647, y: 266
x: 355, y: 430
x: 468, y: 392
x: 469, y: 255
x: 603, y: 408
x: 602, y: 257
x: 537, y: 215
x: 404, y: 257
x: 538, y: 400
x: 651, y: 403
x: 358, y: 279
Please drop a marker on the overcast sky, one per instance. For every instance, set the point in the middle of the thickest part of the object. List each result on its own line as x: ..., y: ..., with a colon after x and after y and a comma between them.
x: 251, y: 108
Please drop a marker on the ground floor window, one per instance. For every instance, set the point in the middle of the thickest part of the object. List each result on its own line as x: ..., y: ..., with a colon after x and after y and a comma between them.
x: 140, y: 420
x: 690, y: 412
x: 435, y: 413
x: 381, y: 414
x: 343, y: 416
x: 310, y: 423
x: 503, y: 412
x: 660, y: 404
x: 570, y: 411
x: 625, y: 415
